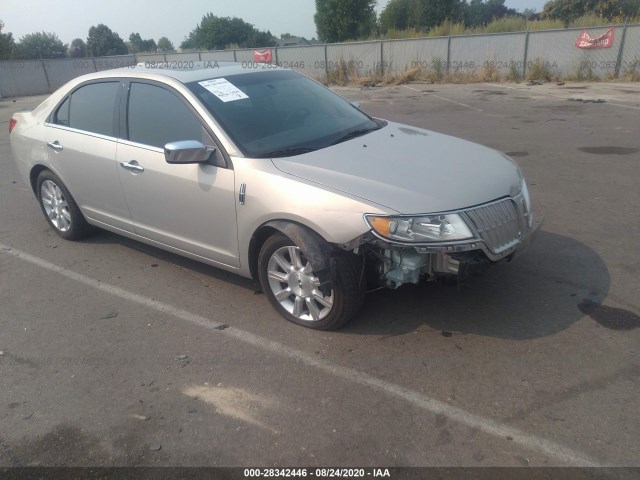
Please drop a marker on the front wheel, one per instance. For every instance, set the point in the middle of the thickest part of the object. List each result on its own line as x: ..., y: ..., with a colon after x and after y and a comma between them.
x: 292, y: 287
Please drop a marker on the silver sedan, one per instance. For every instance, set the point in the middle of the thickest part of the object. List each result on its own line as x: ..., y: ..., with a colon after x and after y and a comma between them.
x: 268, y: 174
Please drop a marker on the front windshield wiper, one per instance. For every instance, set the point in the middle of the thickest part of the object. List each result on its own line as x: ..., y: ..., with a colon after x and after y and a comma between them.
x: 355, y: 133
x: 286, y: 152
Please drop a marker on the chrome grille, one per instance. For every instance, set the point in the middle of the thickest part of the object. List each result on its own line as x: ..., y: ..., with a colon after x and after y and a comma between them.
x: 497, y: 223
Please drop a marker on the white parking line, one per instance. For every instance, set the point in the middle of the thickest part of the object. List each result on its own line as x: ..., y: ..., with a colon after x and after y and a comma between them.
x: 442, y: 98
x: 431, y: 405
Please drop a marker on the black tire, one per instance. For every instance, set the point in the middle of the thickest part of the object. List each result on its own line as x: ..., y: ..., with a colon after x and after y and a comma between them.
x: 65, y: 218
x: 347, y: 293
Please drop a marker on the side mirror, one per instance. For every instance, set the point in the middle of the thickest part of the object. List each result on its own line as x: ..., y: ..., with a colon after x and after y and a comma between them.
x: 188, y: 151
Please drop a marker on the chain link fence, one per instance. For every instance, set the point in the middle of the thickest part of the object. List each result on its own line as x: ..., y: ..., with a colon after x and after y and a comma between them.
x: 550, y: 54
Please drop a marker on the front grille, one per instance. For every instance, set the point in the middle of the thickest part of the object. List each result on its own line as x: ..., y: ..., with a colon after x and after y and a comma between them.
x: 497, y: 223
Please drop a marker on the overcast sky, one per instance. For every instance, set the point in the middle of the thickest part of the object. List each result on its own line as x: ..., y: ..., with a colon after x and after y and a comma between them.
x: 71, y: 19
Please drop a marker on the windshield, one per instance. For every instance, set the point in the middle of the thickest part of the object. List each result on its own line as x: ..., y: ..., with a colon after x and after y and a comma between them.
x: 280, y: 113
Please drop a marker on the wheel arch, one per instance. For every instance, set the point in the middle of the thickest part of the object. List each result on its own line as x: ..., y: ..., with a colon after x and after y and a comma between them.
x: 318, y: 251
x: 36, y: 170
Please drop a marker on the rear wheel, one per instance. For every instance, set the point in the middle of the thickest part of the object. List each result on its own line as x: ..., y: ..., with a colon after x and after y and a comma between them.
x: 292, y: 287
x: 59, y: 207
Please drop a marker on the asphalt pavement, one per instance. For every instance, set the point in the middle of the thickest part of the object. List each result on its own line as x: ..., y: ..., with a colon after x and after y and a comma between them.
x: 115, y: 353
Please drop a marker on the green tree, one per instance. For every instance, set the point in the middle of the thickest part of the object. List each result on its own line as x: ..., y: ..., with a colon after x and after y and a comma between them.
x: 7, y: 44
x: 216, y: 33
x: 77, y: 49
x: 609, y: 10
x: 40, y: 45
x: 165, y: 44
x: 137, y: 44
x: 395, y: 15
x: 425, y: 14
x: 340, y: 20
x: 103, y: 41
x: 481, y: 12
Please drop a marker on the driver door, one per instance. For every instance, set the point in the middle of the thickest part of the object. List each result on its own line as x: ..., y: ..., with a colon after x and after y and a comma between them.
x: 190, y: 207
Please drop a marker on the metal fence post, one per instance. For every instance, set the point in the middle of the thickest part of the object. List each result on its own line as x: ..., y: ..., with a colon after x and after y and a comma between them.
x: 381, y: 58
x: 95, y: 65
x: 448, y: 51
x: 276, y: 54
x: 44, y: 70
x: 526, y: 55
x: 235, y: 57
x: 199, y: 56
x: 326, y: 62
x: 621, y: 50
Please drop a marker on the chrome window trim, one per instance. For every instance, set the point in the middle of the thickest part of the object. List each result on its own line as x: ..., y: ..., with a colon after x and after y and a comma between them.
x: 144, y: 146
x: 82, y: 132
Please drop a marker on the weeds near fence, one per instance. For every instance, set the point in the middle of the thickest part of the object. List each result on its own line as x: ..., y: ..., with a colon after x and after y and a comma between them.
x: 633, y: 72
x: 501, y: 25
x: 539, y: 71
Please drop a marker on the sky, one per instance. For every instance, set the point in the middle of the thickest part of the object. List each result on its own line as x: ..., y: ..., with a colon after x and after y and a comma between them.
x: 71, y: 19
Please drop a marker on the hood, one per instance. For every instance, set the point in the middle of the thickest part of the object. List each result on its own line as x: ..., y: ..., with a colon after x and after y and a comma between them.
x: 409, y: 170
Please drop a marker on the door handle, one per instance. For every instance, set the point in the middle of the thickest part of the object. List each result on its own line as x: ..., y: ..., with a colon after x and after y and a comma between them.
x: 132, y: 166
x: 55, y: 146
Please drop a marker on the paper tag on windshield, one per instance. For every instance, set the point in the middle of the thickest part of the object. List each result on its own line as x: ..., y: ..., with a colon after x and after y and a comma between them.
x: 223, y: 89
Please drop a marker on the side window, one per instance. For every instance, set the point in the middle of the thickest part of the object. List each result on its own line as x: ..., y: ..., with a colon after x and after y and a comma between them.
x: 93, y: 106
x: 61, y: 117
x: 156, y: 117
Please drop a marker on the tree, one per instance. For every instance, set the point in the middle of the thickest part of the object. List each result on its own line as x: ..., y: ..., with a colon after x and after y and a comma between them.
x: 40, y: 45
x: 165, y: 44
x: 216, y: 33
x: 103, y: 41
x: 609, y: 10
x: 7, y: 44
x: 430, y: 13
x: 137, y: 44
x: 340, y: 20
x: 395, y: 15
x: 77, y: 49
x: 426, y: 14
x: 286, y: 36
x: 481, y: 12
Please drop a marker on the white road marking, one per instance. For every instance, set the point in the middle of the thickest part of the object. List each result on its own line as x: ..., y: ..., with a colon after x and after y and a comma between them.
x: 442, y: 98
x: 431, y: 405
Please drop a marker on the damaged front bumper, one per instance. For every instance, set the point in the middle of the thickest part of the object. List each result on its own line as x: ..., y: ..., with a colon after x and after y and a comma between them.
x: 399, y: 263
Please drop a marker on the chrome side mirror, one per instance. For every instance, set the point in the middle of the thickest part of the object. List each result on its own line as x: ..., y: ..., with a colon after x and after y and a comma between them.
x: 188, y: 151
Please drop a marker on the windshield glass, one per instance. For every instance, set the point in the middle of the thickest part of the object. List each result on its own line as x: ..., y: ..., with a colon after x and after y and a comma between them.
x: 280, y: 113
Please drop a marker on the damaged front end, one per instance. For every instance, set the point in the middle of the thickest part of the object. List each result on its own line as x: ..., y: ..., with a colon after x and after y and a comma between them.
x: 410, y: 249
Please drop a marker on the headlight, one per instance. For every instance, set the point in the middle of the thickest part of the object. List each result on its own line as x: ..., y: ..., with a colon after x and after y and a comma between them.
x: 427, y: 228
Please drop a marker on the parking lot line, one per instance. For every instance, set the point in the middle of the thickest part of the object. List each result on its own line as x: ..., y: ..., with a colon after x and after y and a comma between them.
x: 417, y: 399
x: 442, y: 98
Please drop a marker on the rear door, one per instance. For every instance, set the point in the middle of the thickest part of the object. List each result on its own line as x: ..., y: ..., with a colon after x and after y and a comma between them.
x: 81, y: 139
x: 190, y: 206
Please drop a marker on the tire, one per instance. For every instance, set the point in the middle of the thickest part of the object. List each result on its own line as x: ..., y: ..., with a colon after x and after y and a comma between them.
x: 59, y: 207
x: 291, y: 286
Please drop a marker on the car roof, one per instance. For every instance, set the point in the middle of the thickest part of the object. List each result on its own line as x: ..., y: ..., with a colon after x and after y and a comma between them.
x: 191, y: 71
